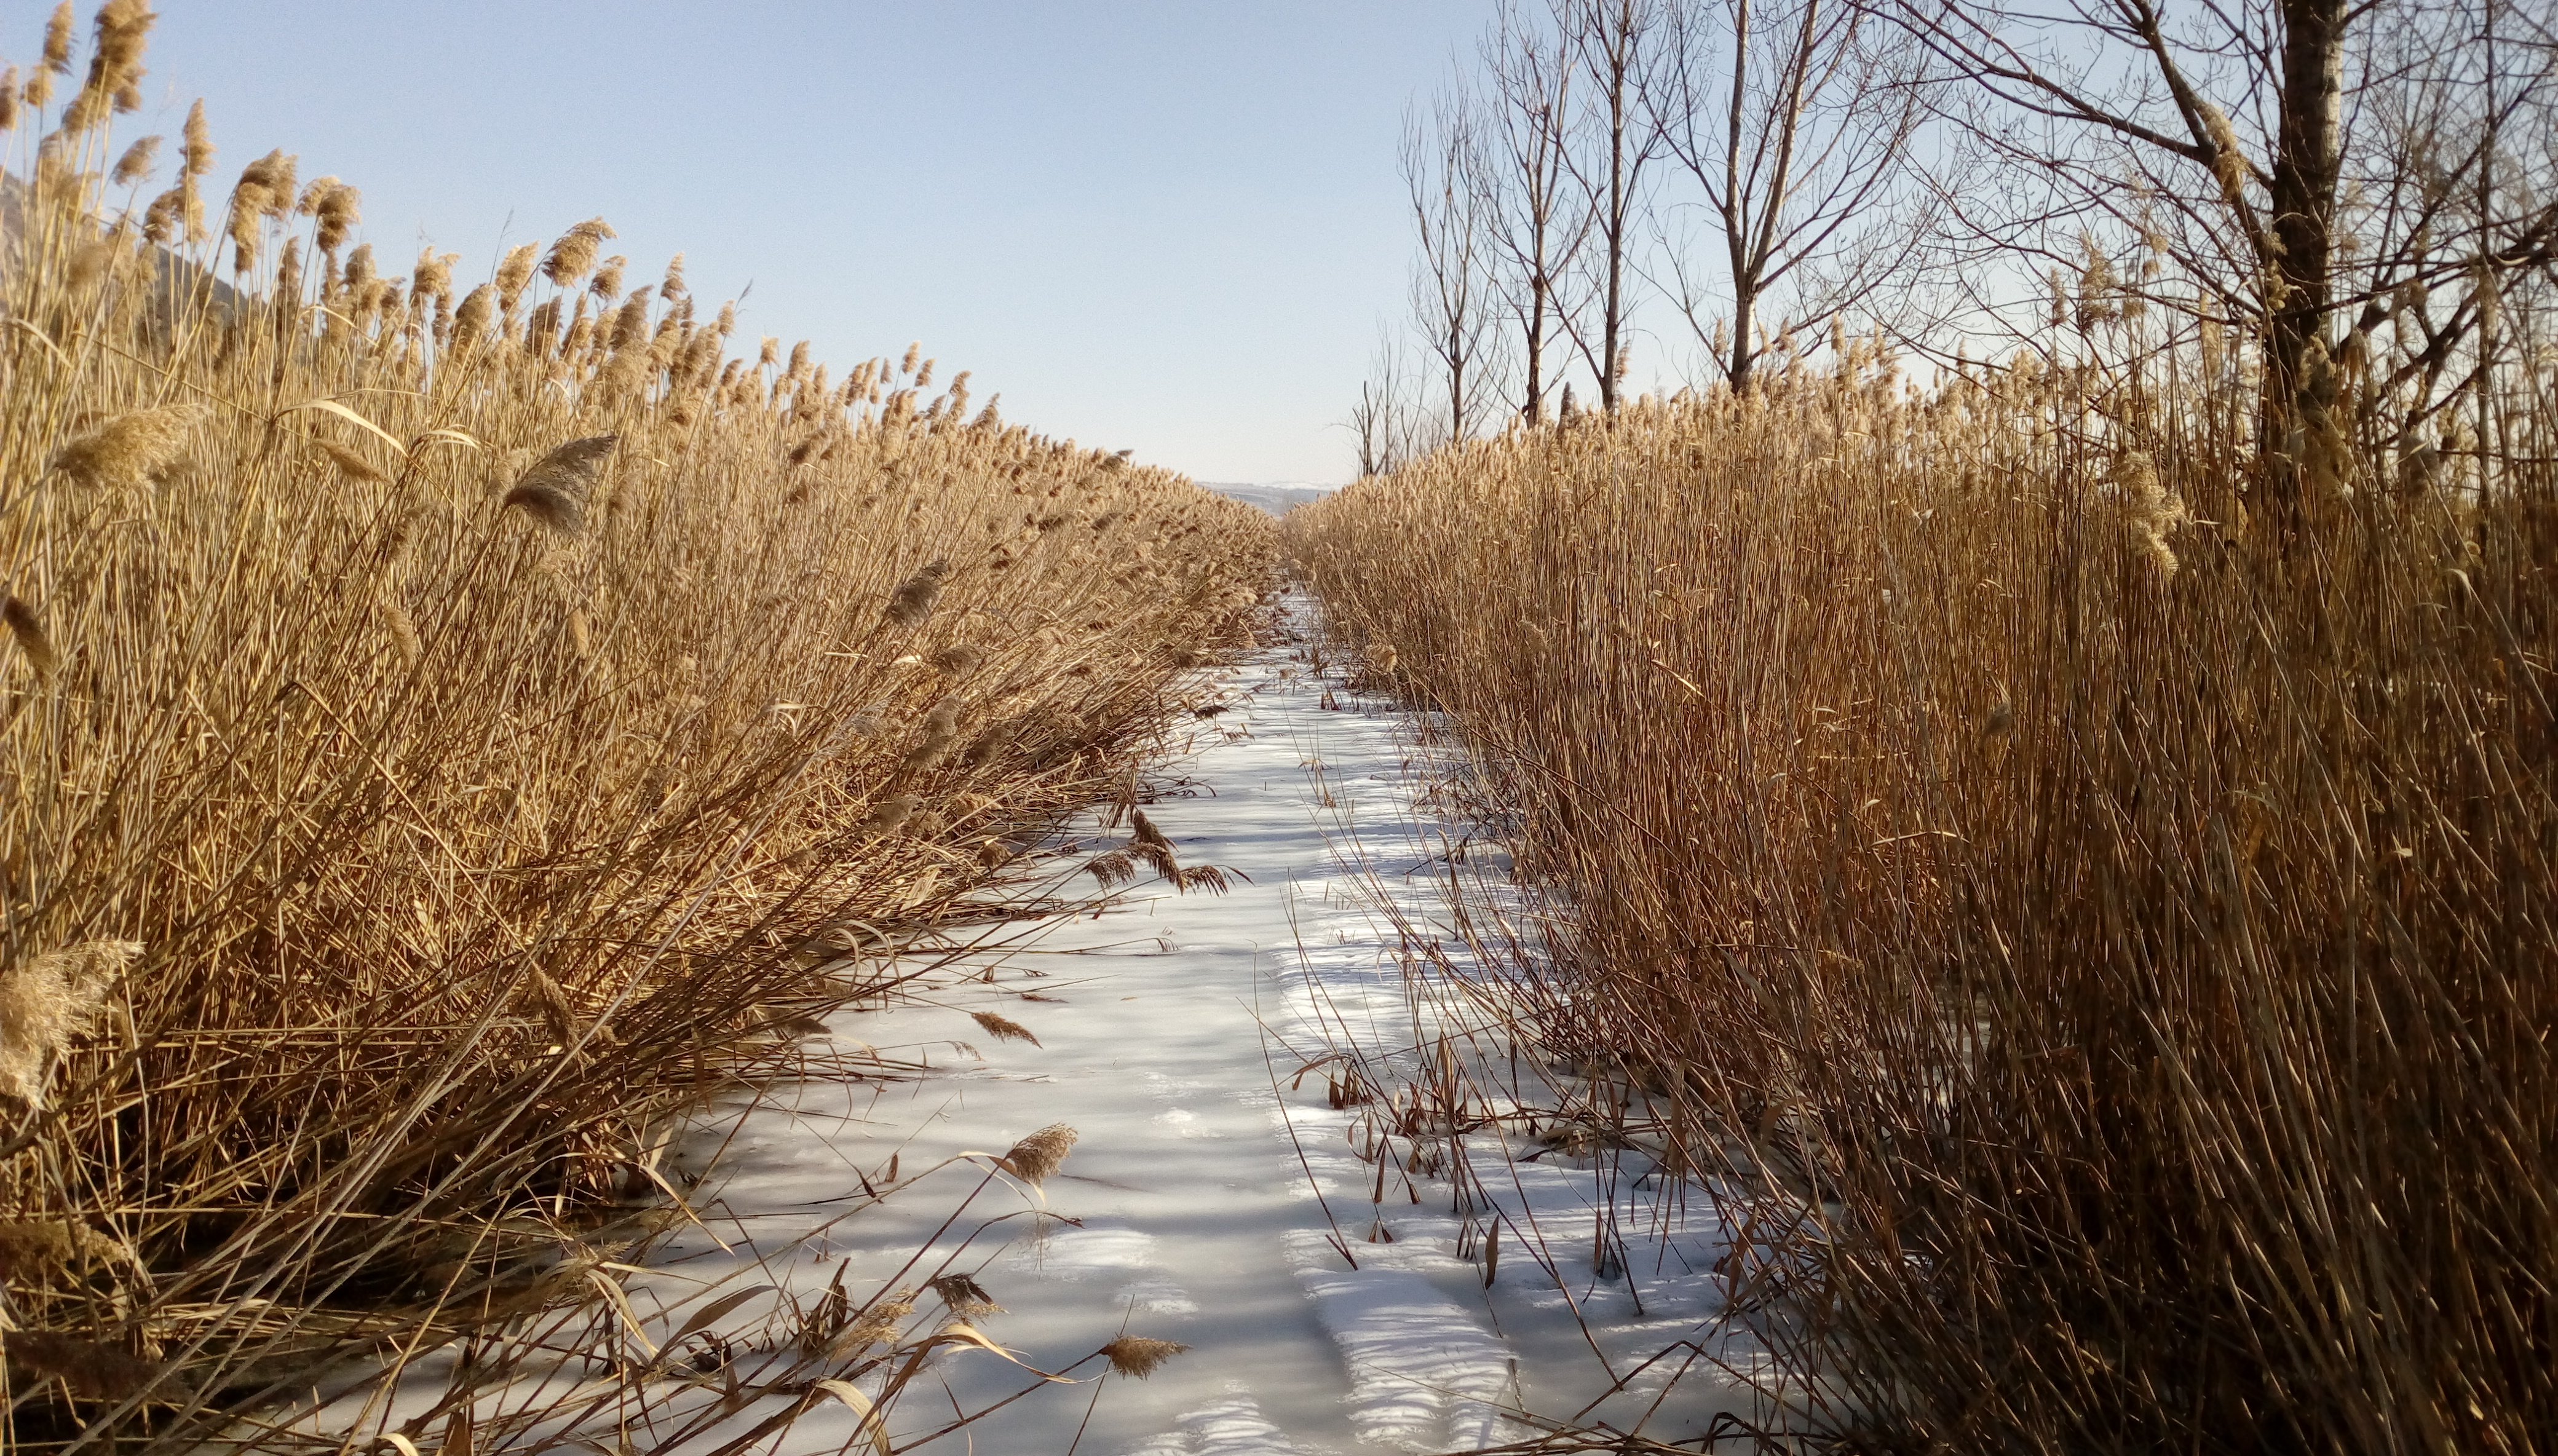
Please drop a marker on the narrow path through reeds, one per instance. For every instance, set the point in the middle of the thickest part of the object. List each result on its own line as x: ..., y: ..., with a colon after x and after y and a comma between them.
x: 1263, y: 1165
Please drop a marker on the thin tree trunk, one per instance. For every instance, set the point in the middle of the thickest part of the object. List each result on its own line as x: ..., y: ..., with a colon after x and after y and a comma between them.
x: 1743, y: 359
x: 1536, y: 352
x: 2303, y: 187
x: 1613, y: 309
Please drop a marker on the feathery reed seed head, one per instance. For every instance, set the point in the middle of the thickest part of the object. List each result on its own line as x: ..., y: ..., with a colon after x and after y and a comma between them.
x: 913, y: 601
x: 92, y: 1371
x: 631, y: 321
x: 1036, y: 1158
x: 166, y: 217
x: 59, y: 31
x: 136, y: 163
x: 115, y: 62
x: 471, y: 320
x: 1002, y: 1028
x: 1138, y: 1355
x: 197, y: 152
x: 890, y: 813
x: 2228, y: 163
x: 91, y: 261
x: 29, y: 632
x: 403, y: 631
x: 514, y: 273
x: 553, y: 490
x: 130, y: 448
x: 876, y: 1324
x: 352, y: 465
x: 48, y: 1002
x: 965, y: 1296
x: 572, y: 257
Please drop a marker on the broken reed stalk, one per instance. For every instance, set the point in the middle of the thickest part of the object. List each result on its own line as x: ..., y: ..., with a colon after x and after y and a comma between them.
x: 2116, y: 935
x: 462, y: 856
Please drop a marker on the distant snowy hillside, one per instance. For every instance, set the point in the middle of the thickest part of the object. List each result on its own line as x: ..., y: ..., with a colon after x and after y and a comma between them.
x: 1275, y: 499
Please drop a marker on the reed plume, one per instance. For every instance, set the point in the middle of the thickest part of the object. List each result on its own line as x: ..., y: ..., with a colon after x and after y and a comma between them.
x: 129, y: 449
x: 114, y: 82
x: 965, y: 1297
x: 48, y: 1002
x: 913, y: 598
x: 874, y: 1325
x: 29, y: 633
x: 1113, y: 869
x: 1150, y: 845
x: 1139, y: 1356
x: 1001, y: 1028
x: 553, y: 490
x: 92, y: 261
x: 471, y: 320
x: 91, y: 1370
x: 514, y: 273
x: 1036, y: 1158
x: 352, y: 464
x: 2154, y: 509
x: 264, y: 192
x: 403, y: 631
x: 890, y: 813
x: 49, y: 1253
x: 572, y: 256
x: 59, y: 29
x: 56, y: 56
x: 135, y: 165
x: 166, y: 217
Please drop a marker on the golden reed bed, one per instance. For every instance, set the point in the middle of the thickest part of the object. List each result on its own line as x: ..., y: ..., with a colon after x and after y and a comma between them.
x: 446, y: 720
x: 2098, y: 939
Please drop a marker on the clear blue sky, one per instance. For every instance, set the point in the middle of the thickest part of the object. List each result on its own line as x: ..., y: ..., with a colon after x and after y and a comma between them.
x: 1150, y: 225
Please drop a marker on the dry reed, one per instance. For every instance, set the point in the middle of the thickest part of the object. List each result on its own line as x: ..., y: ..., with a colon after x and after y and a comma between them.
x: 464, y: 707
x: 2114, y: 942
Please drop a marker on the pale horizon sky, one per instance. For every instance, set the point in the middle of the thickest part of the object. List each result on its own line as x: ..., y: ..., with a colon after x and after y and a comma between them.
x: 1148, y: 225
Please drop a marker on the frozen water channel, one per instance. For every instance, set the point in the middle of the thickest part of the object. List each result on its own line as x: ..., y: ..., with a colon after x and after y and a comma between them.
x: 1333, y: 1302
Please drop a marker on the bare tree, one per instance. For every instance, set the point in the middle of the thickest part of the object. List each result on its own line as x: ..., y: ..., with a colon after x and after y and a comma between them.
x: 1535, y: 235
x: 1452, y: 310
x: 1794, y: 119
x: 2227, y: 142
x: 1612, y: 43
x: 2449, y: 223
x: 1383, y: 422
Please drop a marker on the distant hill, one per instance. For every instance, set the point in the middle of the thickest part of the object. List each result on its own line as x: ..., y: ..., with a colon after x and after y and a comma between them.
x: 1275, y: 499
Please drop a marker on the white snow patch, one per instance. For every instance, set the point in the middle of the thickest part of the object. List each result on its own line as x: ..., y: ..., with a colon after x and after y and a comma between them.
x: 1234, y: 1426
x: 1083, y: 1254
x: 1424, y: 1375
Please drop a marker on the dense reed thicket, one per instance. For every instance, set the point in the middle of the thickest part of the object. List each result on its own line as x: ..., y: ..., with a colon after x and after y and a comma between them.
x: 2100, y: 943
x: 446, y: 727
